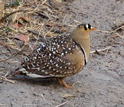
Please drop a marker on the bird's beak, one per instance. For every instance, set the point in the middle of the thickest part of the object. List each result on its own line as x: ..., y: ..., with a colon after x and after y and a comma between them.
x: 93, y: 28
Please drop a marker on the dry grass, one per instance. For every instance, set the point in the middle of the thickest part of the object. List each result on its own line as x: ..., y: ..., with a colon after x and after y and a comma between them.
x: 28, y: 22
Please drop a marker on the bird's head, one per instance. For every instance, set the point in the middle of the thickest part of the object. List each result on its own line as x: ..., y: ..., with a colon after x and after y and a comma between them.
x: 82, y: 30
x: 81, y: 36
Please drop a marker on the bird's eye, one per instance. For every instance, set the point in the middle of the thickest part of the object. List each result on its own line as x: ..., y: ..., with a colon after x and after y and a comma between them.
x: 87, y: 26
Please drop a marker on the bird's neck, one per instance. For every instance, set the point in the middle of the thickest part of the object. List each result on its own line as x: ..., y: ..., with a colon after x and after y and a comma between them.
x: 83, y: 41
x: 85, y: 44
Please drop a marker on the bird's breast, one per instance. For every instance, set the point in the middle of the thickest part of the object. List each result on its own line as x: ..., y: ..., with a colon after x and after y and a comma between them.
x: 77, y: 60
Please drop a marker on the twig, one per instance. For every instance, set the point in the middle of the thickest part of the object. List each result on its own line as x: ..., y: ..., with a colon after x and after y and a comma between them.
x: 76, y: 21
x: 99, y: 50
x: 44, y: 2
x: 109, y: 32
x: 35, y: 32
x: 119, y: 35
x: 68, y: 95
x: 3, y: 18
x: 61, y: 104
x: 42, y: 96
x: 42, y: 15
x: 5, y: 79
x: 77, y: 82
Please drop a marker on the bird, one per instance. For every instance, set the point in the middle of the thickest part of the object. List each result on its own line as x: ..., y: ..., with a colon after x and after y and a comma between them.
x: 59, y: 57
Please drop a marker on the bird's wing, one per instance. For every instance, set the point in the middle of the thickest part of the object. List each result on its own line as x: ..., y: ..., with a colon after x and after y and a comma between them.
x: 51, y: 59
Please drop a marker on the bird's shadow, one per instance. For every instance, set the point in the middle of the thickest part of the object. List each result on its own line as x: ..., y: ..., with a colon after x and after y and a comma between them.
x: 36, y: 81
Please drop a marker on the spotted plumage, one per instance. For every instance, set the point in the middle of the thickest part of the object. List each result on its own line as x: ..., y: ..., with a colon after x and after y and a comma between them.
x: 60, y: 56
x: 50, y: 58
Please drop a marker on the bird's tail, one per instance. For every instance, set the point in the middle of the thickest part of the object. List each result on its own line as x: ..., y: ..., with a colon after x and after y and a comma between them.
x: 18, y: 71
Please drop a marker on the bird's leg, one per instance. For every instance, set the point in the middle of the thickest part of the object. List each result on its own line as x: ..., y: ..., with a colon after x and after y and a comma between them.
x: 62, y: 82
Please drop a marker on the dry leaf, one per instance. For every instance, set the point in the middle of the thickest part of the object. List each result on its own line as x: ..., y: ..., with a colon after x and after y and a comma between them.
x: 17, y: 25
x: 22, y: 38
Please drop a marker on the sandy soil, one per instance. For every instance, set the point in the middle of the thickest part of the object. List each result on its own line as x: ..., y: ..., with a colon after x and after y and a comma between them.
x: 100, y: 84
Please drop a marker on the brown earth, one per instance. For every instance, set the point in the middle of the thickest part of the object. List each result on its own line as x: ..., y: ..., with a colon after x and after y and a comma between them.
x: 100, y: 84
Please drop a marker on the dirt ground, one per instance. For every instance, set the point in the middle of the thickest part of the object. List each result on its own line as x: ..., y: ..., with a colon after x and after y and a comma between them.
x: 99, y: 84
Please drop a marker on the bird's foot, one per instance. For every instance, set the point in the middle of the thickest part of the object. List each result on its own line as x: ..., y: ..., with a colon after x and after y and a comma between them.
x: 62, y: 82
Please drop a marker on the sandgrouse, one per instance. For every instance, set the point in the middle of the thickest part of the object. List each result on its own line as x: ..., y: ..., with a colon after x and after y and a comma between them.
x: 59, y: 57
